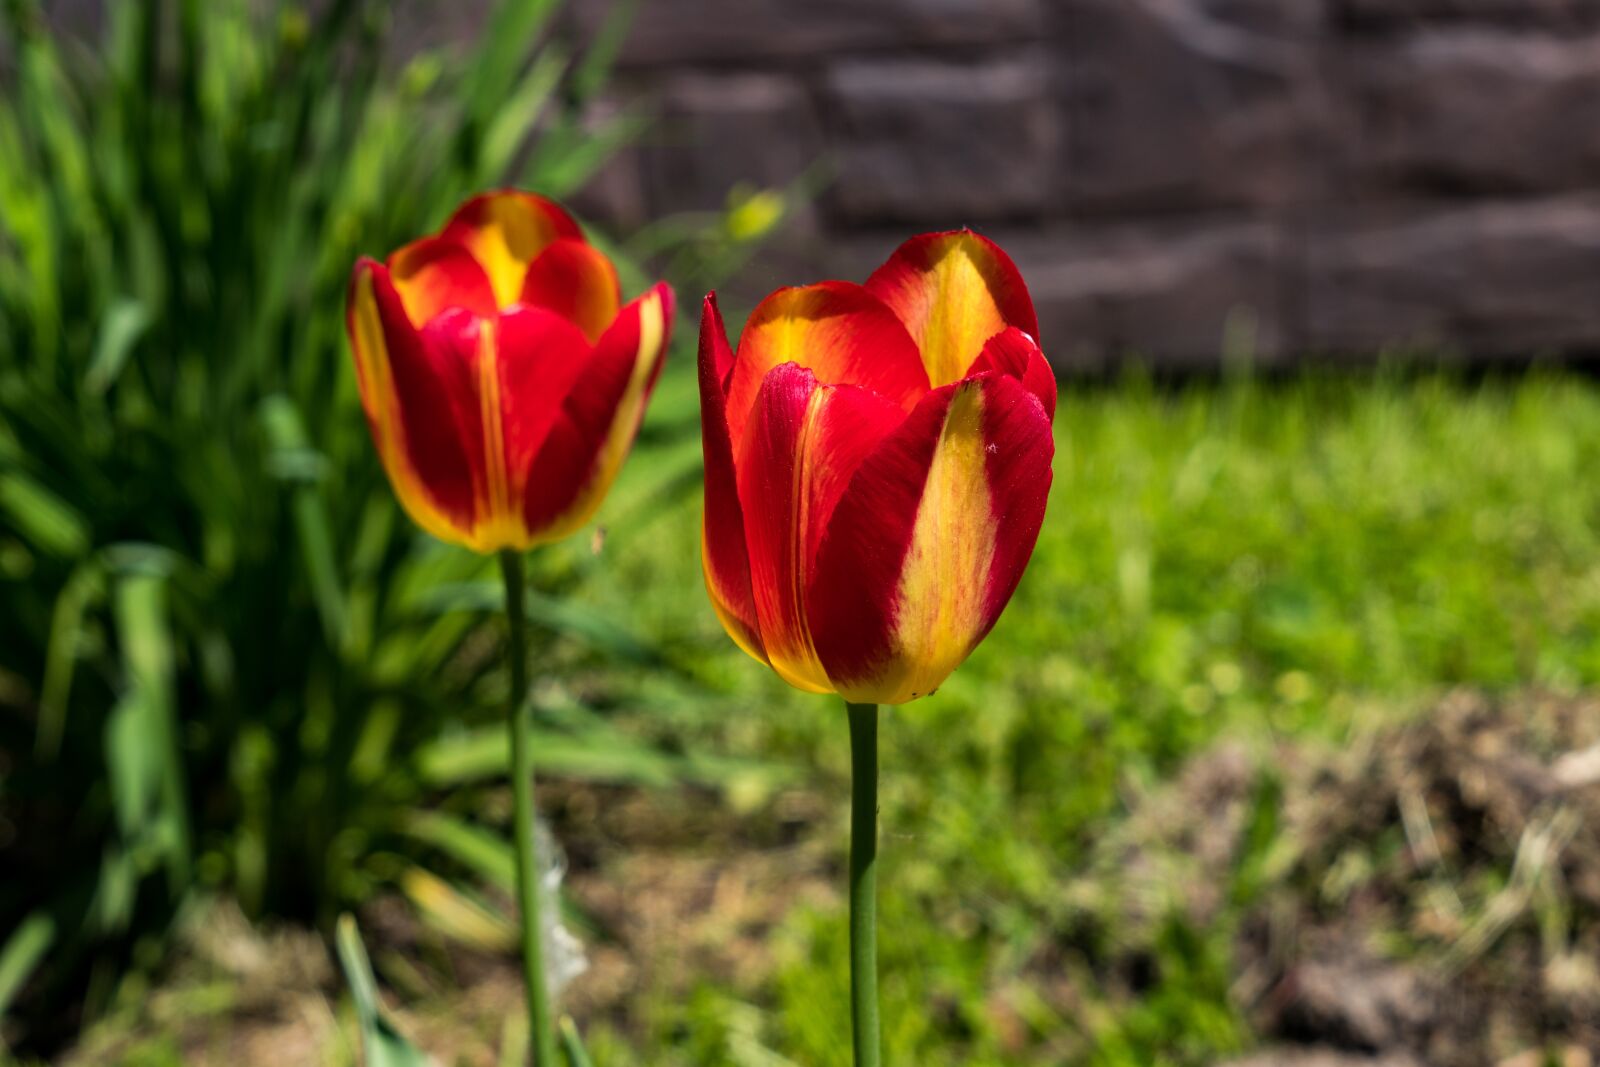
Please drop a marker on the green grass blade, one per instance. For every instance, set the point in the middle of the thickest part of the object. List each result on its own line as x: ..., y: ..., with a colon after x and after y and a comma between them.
x: 61, y: 657
x: 484, y: 851
x: 513, y: 1041
x: 515, y: 119
x: 572, y: 1044
x: 144, y: 730
x: 594, y: 69
x: 600, y: 756
x: 455, y: 912
x: 571, y: 154
x: 293, y: 460
x: 510, y: 35
x: 383, y: 1044
x: 23, y: 952
x: 120, y: 330
x: 48, y: 522
x: 563, y: 616
x: 485, y: 753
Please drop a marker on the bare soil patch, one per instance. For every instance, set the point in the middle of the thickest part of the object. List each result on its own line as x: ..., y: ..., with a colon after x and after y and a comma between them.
x: 1428, y: 895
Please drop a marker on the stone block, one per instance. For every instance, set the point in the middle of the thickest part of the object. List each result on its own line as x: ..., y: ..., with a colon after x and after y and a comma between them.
x: 681, y: 32
x: 939, y: 143
x: 718, y: 130
x: 1189, y: 104
x: 1398, y: 14
x: 1174, y: 294
x: 614, y: 196
x: 1512, y: 280
x: 1448, y: 112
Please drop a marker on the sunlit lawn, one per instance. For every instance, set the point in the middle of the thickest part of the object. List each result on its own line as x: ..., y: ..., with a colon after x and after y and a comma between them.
x: 1239, y: 559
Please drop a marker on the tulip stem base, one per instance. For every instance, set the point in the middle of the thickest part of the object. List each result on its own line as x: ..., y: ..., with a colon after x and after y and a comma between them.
x: 519, y: 724
x: 865, y: 1027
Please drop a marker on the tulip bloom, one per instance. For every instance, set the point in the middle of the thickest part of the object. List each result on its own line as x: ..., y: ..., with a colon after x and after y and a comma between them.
x: 877, y: 462
x: 502, y: 377
x: 504, y: 382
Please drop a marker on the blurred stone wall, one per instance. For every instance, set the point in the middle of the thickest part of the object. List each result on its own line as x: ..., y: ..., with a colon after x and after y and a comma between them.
x: 1302, y: 177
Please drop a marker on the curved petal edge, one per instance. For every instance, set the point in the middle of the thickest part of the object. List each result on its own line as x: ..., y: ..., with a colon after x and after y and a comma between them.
x: 599, y: 416
x: 953, y: 291
x: 723, y: 554
x: 930, y: 539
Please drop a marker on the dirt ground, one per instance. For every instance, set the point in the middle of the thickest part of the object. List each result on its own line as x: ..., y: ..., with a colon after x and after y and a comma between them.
x: 1427, y: 896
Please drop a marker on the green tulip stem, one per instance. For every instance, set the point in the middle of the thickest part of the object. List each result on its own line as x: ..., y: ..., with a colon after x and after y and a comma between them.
x: 519, y: 721
x: 864, y: 884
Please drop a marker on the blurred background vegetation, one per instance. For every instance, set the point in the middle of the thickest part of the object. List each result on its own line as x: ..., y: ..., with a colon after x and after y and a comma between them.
x: 240, y: 694
x: 227, y: 663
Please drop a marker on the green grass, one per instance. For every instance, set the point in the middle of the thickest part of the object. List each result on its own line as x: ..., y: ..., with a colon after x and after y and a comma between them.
x: 1251, y: 561
x: 1285, y: 560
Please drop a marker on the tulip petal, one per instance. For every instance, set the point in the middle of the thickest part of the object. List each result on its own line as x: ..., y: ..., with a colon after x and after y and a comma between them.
x: 847, y: 424
x: 930, y: 539
x: 803, y: 443
x: 541, y: 356
x: 722, y: 547
x: 505, y: 231
x: 1015, y: 353
x: 578, y: 282
x: 837, y: 330
x: 434, y: 275
x: 419, y: 390
x: 953, y: 291
x: 769, y: 467
x: 600, y: 414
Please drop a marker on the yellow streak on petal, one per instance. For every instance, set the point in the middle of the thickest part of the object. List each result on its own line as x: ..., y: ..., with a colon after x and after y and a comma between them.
x: 959, y: 316
x: 507, y: 241
x: 382, y: 405
x: 500, y: 522
x: 624, y: 424
x: 945, y: 576
x: 791, y: 652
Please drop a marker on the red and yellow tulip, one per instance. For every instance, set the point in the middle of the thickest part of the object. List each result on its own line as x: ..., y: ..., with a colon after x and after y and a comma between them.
x: 877, y: 463
x: 502, y: 377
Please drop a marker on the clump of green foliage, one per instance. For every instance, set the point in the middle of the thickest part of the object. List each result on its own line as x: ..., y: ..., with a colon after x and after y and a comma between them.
x: 224, y: 653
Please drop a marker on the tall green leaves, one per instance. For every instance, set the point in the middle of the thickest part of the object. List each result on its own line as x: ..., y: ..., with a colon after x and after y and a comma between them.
x: 217, y: 658
x: 143, y: 757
